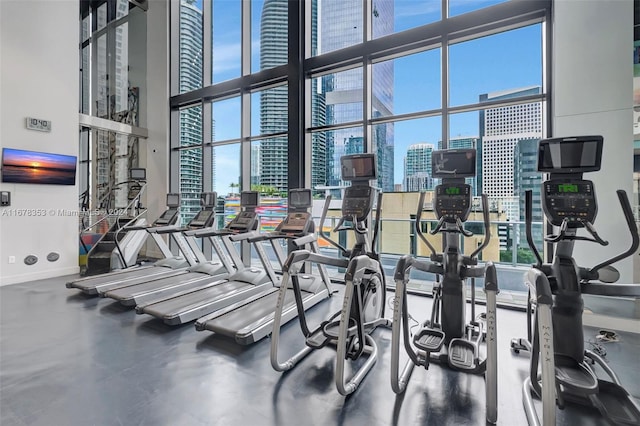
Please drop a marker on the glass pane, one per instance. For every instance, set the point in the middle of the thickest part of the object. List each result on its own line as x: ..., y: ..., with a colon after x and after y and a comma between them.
x: 269, y: 111
x: 102, y: 101
x: 335, y: 25
x: 458, y: 7
x: 226, y: 119
x: 506, y: 168
x: 395, y: 94
x: 335, y: 143
x: 190, y: 45
x: 122, y: 8
x: 339, y: 97
x: 269, y: 34
x: 382, y: 145
x: 226, y: 53
x: 226, y: 169
x: 85, y: 28
x: 101, y: 18
x: 269, y: 165
x: 409, y: 138
x: 512, y: 59
x: 191, y: 126
x: 121, y: 83
x: 190, y: 183
x: 85, y: 80
x: 399, y: 15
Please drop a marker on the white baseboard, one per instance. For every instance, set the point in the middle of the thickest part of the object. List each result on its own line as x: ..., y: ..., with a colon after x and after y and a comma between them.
x: 15, y: 279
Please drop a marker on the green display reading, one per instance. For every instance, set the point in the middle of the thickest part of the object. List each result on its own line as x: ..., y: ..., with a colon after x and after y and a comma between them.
x: 567, y: 187
x: 452, y: 190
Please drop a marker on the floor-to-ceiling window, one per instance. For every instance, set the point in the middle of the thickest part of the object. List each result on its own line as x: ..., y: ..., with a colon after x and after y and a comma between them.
x: 112, y: 77
x: 399, y: 78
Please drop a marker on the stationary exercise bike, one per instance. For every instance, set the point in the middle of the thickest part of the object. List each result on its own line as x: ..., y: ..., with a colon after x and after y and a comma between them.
x: 348, y: 330
x: 555, y: 334
x: 445, y: 338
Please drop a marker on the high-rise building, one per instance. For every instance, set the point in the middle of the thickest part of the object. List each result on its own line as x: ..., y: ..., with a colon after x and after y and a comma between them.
x: 501, y: 129
x: 274, y: 41
x: 417, y: 167
x: 190, y: 118
x: 338, y: 27
x: 509, y: 137
x: 336, y: 98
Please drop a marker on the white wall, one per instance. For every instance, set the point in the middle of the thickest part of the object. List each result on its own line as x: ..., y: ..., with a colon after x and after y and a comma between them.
x: 592, y: 94
x: 154, y: 152
x: 39, y: 78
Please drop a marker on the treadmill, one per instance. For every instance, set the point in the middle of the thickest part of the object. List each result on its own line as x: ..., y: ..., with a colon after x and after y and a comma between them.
x: 204, y: 270
x: 188, y: 305
x: 170, y: 264
x: 252, y: 319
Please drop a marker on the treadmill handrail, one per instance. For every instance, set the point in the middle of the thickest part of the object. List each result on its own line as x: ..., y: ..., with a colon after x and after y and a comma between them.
x: 299, y: 256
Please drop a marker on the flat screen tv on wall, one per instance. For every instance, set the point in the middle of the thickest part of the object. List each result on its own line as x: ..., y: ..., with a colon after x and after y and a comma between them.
x: 19, y: 166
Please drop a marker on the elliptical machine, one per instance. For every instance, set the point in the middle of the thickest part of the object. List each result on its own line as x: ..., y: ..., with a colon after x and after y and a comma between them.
x: 364, y: 297
x: 445, y: 338
x: 555, y: 334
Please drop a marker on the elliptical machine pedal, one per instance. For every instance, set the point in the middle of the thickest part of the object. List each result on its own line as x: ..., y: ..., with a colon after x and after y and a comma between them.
x: 462, y: 354
x: 429, y: 339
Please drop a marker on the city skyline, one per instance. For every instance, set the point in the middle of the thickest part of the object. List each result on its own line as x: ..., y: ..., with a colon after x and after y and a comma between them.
x: 520, y: 49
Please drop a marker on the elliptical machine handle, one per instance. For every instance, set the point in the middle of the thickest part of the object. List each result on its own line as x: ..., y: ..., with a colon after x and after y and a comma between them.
x: 417, y: 227
x: 635, y: 238
x: 528, y: 217
x: 327, y: 201
x: 487, y: 226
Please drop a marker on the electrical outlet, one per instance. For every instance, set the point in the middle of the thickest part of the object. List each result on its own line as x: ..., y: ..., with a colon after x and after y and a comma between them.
x: 12, y: 259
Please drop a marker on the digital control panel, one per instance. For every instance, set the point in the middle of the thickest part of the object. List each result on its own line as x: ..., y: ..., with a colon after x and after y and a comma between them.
x: 296, y: 223
x: 570, y: 200
x: 203, y: 219
x: 452, y: 201
x: 243, y: 221
x: 357, y: 201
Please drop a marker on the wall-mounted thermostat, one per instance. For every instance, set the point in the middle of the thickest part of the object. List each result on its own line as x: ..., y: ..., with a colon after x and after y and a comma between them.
x: 38, y: 124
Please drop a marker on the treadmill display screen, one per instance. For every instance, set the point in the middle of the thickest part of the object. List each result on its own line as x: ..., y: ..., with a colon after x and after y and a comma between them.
x: 570, y: 155
x: 138, y: 174
x: 249, y: 199
x: 358, y: 167
x: 453, y: 163
x: 300, y: 198
x: 173, y: 200
x: 208, y: 199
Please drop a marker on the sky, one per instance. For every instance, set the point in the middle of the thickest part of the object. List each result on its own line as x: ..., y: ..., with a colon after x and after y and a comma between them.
x: 504, y: 61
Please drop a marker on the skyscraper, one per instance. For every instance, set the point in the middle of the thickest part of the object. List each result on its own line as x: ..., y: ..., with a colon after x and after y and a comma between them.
x: 336, y: 98
x: 190, y: 118
x: 509, y: 137
x: 273, y: 157
x: 339, y: 26
x: 417, y: 167
x: 501, y: 129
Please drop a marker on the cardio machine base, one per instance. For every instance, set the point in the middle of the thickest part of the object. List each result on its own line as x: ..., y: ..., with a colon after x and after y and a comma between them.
x: 615, y: 404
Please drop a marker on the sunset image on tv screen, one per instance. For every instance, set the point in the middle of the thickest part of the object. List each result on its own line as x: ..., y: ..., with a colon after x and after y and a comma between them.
x: 19, y: 166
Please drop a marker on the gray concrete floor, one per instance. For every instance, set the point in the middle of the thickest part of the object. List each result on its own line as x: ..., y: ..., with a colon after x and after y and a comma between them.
x: 68, y: 359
